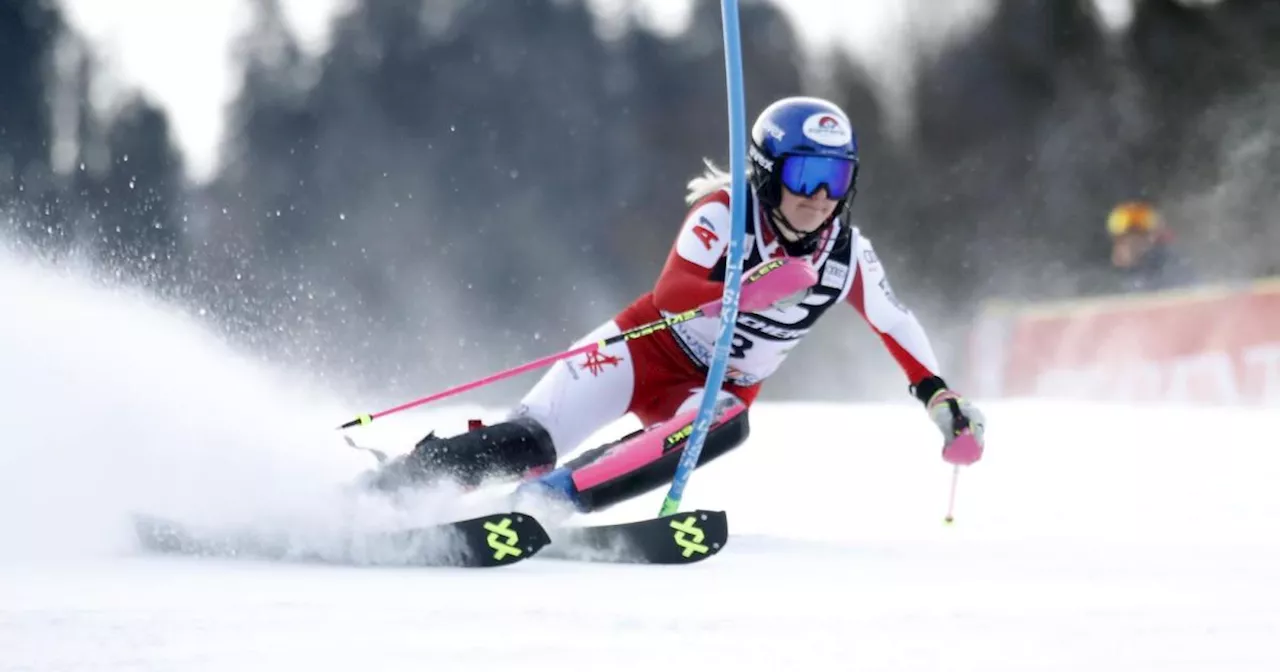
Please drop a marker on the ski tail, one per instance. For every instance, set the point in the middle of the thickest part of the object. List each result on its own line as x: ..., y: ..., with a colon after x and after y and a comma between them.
x: 493, y: 540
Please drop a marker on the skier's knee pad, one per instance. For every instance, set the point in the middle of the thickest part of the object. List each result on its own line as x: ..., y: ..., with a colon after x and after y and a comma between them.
x: 505, y: 450
x: 721, y: 438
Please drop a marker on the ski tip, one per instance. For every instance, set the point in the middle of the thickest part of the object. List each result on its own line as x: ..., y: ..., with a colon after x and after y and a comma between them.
x: 501, y: 539
x: 698, y: 535
x: 680, y: 538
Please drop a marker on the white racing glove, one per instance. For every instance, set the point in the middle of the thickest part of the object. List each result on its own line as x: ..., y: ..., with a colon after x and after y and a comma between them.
x: 952, y: 414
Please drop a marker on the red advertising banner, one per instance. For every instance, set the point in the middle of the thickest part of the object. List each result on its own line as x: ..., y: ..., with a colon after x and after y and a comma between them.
x: 1213, y: 345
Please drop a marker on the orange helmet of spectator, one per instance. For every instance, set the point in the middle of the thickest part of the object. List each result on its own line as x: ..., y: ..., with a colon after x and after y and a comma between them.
x: 1133, y: 217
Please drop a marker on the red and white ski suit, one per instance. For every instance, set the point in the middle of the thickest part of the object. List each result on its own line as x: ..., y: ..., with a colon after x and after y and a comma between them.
x: 661, y: 374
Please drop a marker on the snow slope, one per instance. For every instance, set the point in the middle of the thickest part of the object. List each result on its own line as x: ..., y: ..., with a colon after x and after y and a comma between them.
x: 1091, y: 538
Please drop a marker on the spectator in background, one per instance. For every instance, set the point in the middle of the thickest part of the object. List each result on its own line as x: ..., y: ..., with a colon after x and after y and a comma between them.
x: 1142, y: 258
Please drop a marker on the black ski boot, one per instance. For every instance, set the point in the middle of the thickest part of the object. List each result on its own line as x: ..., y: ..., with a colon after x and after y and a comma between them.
x: 507, y: 450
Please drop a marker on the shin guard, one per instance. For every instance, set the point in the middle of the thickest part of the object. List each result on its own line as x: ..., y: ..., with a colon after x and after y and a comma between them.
x: 647, y: 459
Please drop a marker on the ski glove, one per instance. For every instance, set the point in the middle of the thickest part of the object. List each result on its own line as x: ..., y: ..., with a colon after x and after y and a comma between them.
x: 952, y: 414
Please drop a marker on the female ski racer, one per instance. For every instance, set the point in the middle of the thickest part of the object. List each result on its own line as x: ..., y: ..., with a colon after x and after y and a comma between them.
x: 802, y: 258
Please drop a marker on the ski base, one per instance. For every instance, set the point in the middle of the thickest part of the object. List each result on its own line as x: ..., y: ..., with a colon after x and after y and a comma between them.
x: 487, y: 541
x: 676, y: 539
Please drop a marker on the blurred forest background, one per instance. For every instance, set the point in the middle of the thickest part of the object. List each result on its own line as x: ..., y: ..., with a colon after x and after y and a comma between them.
x: 454, y: 187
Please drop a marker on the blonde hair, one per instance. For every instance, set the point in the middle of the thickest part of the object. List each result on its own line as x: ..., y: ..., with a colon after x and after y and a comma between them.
x: 711, y: 180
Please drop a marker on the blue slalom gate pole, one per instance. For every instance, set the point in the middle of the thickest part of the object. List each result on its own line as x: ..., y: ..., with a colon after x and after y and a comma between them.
x: 733, y: 269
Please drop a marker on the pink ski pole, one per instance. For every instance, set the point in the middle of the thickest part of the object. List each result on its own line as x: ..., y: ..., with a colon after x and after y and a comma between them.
x: 637, y: 332
x: 962, y: 450
x: 773, y: 281
x: 951, y: 503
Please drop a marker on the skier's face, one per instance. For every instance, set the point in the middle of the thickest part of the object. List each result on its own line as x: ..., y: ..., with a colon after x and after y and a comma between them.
x: 807, y: 213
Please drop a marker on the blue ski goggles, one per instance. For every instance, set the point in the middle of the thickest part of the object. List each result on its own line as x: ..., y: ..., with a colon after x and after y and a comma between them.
x: 804, y: 175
